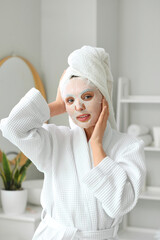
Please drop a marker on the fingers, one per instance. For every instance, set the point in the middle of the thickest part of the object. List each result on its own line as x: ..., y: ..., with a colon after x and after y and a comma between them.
x: 104, y: 102
x: 105, y: 105
x: 105, y: 112
x: 102, y: 121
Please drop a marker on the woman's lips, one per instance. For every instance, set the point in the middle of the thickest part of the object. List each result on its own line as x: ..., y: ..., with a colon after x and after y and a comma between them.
x: 84, y: 117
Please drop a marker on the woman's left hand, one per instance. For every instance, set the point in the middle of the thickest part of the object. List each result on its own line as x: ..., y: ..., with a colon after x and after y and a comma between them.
x: 97, y: 135
x: 98, y: 132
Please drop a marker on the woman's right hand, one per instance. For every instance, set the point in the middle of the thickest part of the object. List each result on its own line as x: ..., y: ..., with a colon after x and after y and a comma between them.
x: 57, y: 107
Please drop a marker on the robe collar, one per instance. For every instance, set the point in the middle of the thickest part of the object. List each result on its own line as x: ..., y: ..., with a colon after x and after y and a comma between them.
x: 81, y: 148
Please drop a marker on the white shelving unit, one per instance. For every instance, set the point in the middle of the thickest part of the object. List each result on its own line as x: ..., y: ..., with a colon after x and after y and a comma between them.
x: 151, y: 193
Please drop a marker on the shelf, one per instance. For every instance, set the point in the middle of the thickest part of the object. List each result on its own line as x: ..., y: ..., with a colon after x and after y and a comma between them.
x: 151, y: 193
x: 141, y: 99
x: 32, y: 214
x: 131, y: 233
x: 152, y: 149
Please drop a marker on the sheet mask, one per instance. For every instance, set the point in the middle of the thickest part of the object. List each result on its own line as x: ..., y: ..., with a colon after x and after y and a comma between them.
x: 83, y: 101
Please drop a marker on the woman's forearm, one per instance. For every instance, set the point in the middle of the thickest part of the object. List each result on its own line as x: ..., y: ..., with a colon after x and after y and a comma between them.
x: 98, y: 153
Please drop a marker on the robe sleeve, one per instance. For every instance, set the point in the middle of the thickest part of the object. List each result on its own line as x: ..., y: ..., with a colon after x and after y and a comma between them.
x: 25, y: 128
x: 117, y: 183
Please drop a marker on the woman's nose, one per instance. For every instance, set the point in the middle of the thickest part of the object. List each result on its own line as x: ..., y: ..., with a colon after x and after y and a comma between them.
x: 79, y: 106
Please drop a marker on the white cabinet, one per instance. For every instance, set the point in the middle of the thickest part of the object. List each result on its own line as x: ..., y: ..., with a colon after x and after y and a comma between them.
x: 146, y: 214
x: 20, y: 227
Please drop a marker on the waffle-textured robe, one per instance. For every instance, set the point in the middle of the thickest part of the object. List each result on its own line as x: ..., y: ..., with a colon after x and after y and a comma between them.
x: 79, y: 201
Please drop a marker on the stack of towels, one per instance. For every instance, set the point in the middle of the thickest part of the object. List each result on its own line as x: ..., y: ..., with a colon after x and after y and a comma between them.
x: 141, y: 132
x: 157, y: 235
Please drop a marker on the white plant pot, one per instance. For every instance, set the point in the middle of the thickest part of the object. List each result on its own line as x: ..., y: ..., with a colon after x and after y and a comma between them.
x: 14, y: 202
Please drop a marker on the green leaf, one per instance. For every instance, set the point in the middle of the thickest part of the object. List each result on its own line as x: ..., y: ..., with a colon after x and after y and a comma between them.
x: 25, y: 166
x: 15, y: 167
x: 22, y: 171
x: 3, y: 178
x: 7, y: 170
x: 22, y: 177
x: 16, y: 175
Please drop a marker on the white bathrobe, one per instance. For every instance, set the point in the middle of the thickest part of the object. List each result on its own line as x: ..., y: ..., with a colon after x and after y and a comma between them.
x: 79, y: 201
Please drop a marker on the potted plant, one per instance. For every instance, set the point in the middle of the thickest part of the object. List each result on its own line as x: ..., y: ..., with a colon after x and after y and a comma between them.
x: 13, y: 196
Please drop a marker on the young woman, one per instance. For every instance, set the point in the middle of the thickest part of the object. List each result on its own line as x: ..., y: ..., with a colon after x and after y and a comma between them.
x: 93, y: 174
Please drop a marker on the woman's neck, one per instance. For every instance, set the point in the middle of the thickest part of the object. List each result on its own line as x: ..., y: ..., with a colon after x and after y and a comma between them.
x: 89, y: 132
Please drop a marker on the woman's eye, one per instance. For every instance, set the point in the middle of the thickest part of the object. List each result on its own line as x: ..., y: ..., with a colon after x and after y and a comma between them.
x: 87, y: 97
x: 69, y: 100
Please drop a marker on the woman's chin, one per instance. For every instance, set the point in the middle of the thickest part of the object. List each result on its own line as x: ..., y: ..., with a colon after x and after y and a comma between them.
x: 84, y: 125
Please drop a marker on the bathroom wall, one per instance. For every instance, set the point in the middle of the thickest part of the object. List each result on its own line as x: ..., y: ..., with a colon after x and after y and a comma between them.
x: 138, y: 44
x: 20, y: 27
x: 107, y: 35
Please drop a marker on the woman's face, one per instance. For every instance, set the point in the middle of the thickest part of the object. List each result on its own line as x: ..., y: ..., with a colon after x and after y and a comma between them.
x: 83, y: 102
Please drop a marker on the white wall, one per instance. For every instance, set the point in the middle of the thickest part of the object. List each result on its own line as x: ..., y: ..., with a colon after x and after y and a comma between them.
x: 20, y: 27
x: 139, y: 44
x: 66, y: 26
x: 107, y: 35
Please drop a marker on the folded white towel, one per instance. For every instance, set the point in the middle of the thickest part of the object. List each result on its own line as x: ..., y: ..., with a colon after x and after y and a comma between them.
x: 157, y: 235
x: 137, y: 130
x: 147, y: 139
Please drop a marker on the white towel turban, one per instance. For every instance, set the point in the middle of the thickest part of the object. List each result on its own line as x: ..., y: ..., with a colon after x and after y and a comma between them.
x: 94, y: 64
